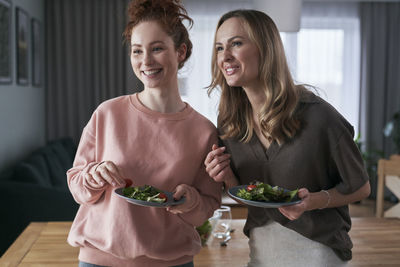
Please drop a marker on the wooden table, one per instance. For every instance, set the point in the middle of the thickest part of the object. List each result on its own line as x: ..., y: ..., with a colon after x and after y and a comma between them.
x: 376, y: 243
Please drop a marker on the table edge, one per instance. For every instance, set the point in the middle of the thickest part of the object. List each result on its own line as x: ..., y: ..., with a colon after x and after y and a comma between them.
x: 20, y: 247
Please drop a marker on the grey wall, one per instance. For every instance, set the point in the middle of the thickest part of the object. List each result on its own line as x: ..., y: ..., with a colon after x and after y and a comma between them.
x: 22, y: 108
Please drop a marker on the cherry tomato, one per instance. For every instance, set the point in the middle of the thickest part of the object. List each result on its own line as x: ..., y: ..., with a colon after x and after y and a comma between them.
x: 162, y: 195
x: 128, y: 182
x: 251, y: 187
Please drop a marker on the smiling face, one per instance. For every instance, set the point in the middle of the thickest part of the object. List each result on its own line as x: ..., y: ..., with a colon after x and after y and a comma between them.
x: 154, y: 58
x: 237, y: 55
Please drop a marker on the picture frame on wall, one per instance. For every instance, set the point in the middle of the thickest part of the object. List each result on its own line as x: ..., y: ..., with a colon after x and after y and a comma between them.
x: 5, y: 42
x: 22, y: 46
x: 36, y: 52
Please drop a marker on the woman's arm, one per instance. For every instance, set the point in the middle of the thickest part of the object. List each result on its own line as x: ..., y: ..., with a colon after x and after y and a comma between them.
x: 323, y: 199
x: 218, y: 167
x: 90, y: 176
x: 202, y: 198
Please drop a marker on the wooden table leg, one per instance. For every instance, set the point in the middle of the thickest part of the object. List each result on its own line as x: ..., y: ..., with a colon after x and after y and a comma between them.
x: 380, y: 189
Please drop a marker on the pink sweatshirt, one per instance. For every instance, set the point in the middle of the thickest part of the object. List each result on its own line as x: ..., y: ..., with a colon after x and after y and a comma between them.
x: 158, y: 149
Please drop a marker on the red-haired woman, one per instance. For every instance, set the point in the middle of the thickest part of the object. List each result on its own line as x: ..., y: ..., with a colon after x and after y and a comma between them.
x: 152, y: 138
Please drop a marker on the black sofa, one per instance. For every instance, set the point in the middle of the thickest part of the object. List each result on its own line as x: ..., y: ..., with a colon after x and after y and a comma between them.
x: 36, y: 189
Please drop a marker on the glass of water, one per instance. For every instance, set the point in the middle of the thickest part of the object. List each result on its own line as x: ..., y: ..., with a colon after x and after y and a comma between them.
x: 222, y: 226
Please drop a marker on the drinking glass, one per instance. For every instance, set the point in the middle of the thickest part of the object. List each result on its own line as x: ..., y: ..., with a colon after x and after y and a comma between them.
x: 223, y: 223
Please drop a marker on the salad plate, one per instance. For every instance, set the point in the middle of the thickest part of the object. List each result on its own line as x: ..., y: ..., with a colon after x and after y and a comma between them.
x: 233, y: 191
x: 169, y: 202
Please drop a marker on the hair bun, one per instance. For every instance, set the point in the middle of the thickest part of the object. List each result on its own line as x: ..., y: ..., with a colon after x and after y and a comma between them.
x: 169, y: 13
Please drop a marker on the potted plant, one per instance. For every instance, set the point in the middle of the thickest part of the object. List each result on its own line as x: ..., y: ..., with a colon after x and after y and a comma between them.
x: 392, y: 129
x: 370, y: 158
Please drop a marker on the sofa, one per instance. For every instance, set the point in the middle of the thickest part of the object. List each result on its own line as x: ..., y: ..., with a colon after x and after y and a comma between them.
x: 35, y: 189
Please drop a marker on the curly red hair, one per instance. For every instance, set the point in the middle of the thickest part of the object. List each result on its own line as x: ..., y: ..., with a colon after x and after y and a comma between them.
x: 169, y: 13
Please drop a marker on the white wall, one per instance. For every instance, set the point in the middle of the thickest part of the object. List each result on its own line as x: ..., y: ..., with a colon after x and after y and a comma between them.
x: 22, y: 108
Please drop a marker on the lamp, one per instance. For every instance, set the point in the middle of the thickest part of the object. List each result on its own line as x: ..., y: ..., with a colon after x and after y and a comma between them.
x: 285, y: 13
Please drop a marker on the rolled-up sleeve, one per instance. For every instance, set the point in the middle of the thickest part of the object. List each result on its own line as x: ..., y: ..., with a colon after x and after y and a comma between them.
x: 83, y: 191
x: 349, y: 164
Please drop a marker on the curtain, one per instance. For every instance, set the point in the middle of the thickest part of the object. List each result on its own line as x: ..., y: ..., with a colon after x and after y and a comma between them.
x: 325, y: 53
x: 380, y: 81
x: 380, y: 77
x: 87, y: 62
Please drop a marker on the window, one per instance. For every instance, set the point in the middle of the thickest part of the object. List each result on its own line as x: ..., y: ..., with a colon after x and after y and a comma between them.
x: 325, y: 53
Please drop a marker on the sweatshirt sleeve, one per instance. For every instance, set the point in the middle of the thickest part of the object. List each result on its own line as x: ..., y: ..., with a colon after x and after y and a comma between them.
x: 208, y: 194
x: 83, y: 191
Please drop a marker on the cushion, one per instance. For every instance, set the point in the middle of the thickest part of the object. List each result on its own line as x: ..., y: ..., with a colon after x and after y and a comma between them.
x: 7, y: 174
x: 55, y: 167
x: 33, y: 170
x: 70, y: 146
x: 62, y: 155
x: 48, y: 165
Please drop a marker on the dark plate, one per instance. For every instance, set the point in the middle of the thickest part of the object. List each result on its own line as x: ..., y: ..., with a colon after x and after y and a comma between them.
x: 170, y: 200
x: 233, y: 193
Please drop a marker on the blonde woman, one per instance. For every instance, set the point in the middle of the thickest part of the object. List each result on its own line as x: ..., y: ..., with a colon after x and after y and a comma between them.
x: 282, y: 134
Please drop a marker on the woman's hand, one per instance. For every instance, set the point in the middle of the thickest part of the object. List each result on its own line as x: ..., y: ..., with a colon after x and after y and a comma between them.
x: 323, y: 199
x: 217, y: 164
x: 105, y: 173
x: 293, y: 212
x: 190, y: 199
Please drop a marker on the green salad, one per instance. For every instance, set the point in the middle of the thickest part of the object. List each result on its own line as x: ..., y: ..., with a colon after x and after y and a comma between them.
x: 264, y: 192
x: 145, y: 193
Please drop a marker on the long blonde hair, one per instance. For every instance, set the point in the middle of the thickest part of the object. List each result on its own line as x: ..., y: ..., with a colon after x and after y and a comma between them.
x: 277, y: 116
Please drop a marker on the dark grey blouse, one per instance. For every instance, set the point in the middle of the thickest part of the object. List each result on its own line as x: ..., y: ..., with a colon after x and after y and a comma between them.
x: 322, y: 155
